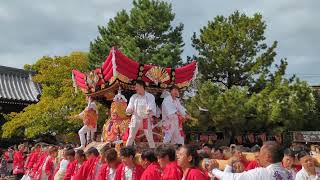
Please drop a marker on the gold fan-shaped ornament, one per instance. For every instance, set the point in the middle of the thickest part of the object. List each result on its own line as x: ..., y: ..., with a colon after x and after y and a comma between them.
x: 158, y: 75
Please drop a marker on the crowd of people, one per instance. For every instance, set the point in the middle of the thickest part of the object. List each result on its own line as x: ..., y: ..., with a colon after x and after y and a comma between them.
x: 165, y: 162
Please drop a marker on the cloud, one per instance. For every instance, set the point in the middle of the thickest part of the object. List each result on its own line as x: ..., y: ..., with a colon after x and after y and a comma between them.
x: 31, y: 29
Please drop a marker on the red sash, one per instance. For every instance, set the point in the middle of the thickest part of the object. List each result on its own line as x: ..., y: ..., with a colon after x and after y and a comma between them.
x: 145, y: 123
x: 181, y: 120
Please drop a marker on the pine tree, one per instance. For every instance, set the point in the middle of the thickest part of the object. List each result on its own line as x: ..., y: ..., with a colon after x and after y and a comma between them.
x: 144, y: 34
x: 232, y: 51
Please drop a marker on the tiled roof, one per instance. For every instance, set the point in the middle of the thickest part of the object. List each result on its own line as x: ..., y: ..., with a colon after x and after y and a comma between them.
x: 16, y: 85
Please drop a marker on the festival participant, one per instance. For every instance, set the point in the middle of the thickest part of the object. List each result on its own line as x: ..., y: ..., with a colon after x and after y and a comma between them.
x: 173, y: 114
x: 188, y: 160
x: 33, y: 158
x: 149, y: 163
x: 142, y: 107
x: 36, y: 169
x: 271, y: 169
x: 108, y: 170
x: 128, y: 169
x: 309, y: 171
x: 88, y: 167
x: 166, y: 156
x: 288, y: 160
x: 254, y: 163
x: 75, y: 164
x: 68, y: 156
x: 49, y: 165
x: 238, y: 153
x: 18, y: 162
x: 89, y: 116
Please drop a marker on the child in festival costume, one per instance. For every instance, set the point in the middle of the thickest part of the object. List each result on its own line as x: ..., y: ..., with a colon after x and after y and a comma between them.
x: 166, y: 155
x: 18, y: 162
x: 86, y: 169
x: 49, y: 165
x: 75, y: 164
x: 89, y: 116
x: 68, y: 156
x: 128, y: 169
x: 149, y: 163
x: 108, y: 170
x: 188, y: 160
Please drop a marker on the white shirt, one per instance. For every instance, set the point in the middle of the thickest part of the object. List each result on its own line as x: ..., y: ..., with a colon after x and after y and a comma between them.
x: 303, y: 175
x: 63, y: 165
x: 170, y: 106
x: 272, y: 172
x: 98, y: 167
x: 112, y: 173
x: 139, y: 106
x: 128, y: 173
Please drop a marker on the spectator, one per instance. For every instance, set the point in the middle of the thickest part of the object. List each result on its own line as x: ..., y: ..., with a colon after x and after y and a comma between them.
x: 128, y: 169
x: 9, y: 157
x: 3, y: 165
x: 188, y: 160
x: 166, y: 155
x: 207, y: 148
x: 150, y: 164
x: 309, y: 171
x: 250, y: 140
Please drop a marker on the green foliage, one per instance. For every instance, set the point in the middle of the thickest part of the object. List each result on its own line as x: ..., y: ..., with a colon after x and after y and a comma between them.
x: 58, y: 100
x: 277, y: 108
x: 232, y: 51
x: 144, y: 34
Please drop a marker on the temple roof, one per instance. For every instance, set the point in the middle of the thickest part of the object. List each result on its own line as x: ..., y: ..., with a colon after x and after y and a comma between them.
x: 17, y: 87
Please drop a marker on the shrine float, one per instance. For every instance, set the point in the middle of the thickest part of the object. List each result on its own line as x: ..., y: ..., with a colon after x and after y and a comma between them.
x: 114, y: 82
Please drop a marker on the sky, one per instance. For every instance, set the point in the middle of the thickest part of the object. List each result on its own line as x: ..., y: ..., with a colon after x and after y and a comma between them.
x: 31, y: 29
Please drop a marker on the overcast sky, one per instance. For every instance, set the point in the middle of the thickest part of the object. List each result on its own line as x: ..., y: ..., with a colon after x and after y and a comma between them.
x: 31, y: 29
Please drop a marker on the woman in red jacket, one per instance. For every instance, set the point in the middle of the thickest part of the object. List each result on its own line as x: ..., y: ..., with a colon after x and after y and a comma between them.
x: 188, y: 160
x: 166, y: 155
x: 108, y: 170
x: 18, y: 162
x: 75, y: 165
x: 49, y: 165
x: 152, y: 168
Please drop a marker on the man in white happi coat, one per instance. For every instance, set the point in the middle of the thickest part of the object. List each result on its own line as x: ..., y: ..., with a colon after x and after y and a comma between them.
x: 173, y: 114
x: 89, y: 116
x: 142, y: 107
x: 270, y: 162
x: 309, y: 171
